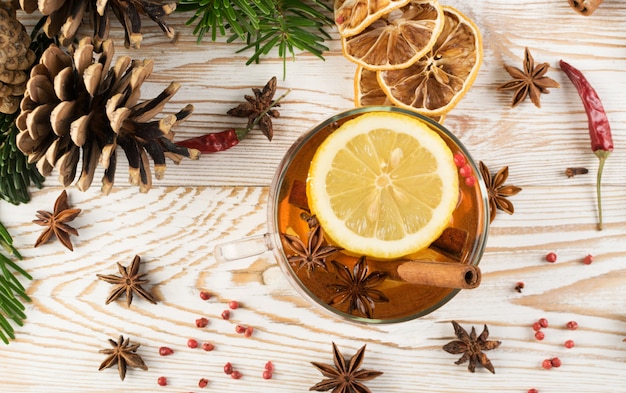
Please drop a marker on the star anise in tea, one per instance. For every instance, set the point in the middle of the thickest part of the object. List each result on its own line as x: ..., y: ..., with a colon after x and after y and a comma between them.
x: 311, y: 255
x: 472, y: 347
x: 259, y: 109
x: 124, y: 355
x: 128, y: 282
x: 344, y: 377
x: 56, y: 222
x: 498, y: 192
x: 530, y: 82
x: 357, y: 288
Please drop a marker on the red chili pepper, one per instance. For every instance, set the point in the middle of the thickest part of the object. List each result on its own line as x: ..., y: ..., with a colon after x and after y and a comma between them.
x: 599, y: 127
x: 224, y: 140
x: 216, y: 141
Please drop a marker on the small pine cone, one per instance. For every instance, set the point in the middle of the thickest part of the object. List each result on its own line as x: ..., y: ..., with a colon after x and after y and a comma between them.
x: 16, y: 58
x: 66, y: 16
x: 78, y: 106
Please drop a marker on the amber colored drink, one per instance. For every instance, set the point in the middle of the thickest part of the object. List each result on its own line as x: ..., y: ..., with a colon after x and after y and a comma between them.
x: 403, y: 300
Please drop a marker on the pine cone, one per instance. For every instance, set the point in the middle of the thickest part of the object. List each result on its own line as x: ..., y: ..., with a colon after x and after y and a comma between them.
x: 66, y: 16
x: 77, y: 104
x: 16, y: 58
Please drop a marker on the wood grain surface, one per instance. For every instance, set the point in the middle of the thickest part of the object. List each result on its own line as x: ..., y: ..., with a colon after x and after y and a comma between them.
x: 224, y: 196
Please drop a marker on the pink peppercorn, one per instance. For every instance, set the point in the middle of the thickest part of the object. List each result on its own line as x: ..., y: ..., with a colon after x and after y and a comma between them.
x: 551, y: 257
x: 547, y: 364
x: 536, y: 326
x: 204, y: 295
x: 543, y: 322
x: 228, y: 368
x: 248, y: 332
x: 470, y: 181
x: 202, y: 322
x: 162, y: 381
x: 459, y: 159
x: 533, y: 390
x: 226, y: 315
x: 233, y: 304
x: 540, y: 335
x: 192, y: 343
x: 235, y: 374
x: 269, y: 366
x: 556, y: 362
x: 588, y: 259
x: 465, y: 170
x: 572, y: 325
x: 203, y: 382
x: 240, y: 329
x: 569, y: 344
x: 267, y: 374
x: 208, y: 347
x: 165, y: 351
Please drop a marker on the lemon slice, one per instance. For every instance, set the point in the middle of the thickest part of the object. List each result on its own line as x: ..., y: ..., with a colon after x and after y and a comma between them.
x: 384, y: 184
x: 434, y: 84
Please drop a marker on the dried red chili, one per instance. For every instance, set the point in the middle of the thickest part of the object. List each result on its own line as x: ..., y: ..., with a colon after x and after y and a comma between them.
x: 599, y: 127
x: 216, y: 141
x: 223, y: 140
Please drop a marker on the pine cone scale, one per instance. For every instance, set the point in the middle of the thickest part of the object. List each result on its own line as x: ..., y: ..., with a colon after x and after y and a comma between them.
x: 16, y: 58
x: 86, y: 108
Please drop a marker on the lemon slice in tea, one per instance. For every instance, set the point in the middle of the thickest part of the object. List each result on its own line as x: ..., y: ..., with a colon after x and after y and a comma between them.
x: 384, y: 184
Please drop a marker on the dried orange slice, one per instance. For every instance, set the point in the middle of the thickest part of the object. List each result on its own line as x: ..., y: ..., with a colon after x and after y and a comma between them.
x: 435, y: 83
x: 367, y: 91
x: 353, y: 16
x: 398, y: 39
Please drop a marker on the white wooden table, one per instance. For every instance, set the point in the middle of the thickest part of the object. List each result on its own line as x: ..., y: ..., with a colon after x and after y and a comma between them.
x: 224, y: 197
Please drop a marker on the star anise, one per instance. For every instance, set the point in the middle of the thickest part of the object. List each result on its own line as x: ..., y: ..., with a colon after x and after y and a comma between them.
x: 472, y: 347
x: 311, y: 255
x: 344, y: 377
x: 357, y: 288
x: 128, y: 282
x: 530, y: 82
x: 259, y: 108
x: 123, y: 354
x: 498, y: 192
x: 57, y: 222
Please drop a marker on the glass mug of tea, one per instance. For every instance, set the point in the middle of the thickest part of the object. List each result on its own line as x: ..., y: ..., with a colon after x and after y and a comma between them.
x: 372, y: 284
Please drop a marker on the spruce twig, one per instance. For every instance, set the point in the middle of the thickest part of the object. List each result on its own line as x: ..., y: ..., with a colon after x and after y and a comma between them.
x: 264, y: 25
x: 11, y: 289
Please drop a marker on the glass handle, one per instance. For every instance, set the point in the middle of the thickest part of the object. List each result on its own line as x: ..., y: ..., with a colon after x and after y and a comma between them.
x: 243, y: 248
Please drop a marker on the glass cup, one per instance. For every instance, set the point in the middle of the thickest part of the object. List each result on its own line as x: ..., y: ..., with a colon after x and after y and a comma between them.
x: 385, y: 293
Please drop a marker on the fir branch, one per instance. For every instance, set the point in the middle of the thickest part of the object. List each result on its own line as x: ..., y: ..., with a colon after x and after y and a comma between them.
x: 16, y: 173
x: 264, y: 25
x: 11, y: 289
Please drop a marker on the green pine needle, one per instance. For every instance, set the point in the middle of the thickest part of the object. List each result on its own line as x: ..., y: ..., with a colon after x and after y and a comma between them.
x: 11, y: 289
x: 264, y: 25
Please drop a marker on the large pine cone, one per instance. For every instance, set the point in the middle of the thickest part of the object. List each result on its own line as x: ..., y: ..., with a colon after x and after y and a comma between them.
x: 75, y: 103
x: 66, y: 16
x: 16, y: 58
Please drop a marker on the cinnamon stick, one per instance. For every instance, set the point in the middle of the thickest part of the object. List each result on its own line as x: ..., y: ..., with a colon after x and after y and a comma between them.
x: 585, y: 7
x: 452, y: 243
x: 439, y: 274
